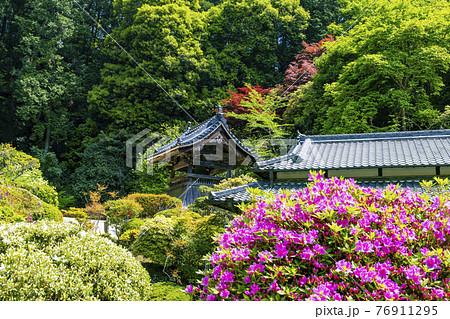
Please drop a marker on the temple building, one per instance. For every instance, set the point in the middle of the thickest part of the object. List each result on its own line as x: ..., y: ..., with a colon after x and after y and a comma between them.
x: 202, y: 155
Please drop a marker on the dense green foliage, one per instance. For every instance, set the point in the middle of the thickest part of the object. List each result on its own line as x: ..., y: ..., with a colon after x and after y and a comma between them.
x: 176, y: 243
x: 55, y: 261
x: 228, y: 183
x: 167, y: 291
x: 51, y: 212
x: 120, y: 209
x: 152, y: 204
x: 132, y: 224
x: 386, y: 73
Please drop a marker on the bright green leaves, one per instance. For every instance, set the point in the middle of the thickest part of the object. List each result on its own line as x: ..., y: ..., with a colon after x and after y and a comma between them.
x: 254, y: 41
x: 165, y: 40
x: 383, y: 74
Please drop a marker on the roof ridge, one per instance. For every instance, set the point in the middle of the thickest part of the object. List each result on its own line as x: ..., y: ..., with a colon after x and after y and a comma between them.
x: 378, y: 135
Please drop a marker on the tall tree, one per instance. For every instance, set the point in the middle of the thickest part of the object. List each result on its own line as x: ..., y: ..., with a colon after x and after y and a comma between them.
x: 253, y: 41
x: 383, y: 74
x: 40, y: 82
x: 49, y: 59
x: 165, y: 39
x: 322, y: 14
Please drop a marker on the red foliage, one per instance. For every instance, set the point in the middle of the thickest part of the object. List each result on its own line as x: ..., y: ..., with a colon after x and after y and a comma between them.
x: 302, y: 69
x: 233, y: 103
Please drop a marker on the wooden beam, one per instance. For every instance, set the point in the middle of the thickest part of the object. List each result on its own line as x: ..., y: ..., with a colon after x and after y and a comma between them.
x: 194, y: 176
x: 178, y: 178
x: 201, y: 176
x: 180, y: 165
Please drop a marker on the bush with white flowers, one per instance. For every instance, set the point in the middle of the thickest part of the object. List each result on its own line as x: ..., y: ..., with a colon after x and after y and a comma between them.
x: 55, y: 261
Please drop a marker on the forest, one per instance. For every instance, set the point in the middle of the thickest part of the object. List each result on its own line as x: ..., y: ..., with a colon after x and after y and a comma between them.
x: 78, y: 78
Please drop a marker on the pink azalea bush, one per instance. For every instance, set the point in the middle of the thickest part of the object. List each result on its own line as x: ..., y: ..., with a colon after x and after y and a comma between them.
x: 334, y: 240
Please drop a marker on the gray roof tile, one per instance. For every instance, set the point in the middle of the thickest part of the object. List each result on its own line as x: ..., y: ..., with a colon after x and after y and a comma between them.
x: 240, y: 194
x: 421, y: 148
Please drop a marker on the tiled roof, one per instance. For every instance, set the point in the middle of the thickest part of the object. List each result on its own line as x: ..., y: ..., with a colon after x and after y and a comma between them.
x: 239, y: 194
x: 203, y: 130
x: 393, y: 149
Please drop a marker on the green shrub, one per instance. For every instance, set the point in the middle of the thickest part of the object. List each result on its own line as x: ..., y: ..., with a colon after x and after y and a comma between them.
x: 45, y: 192
x: 57, y: 261
x: 155, y: 239
x: 121, y: 209
x: 228, y: 183
x: 132, y: 224
x: 178, y: 242
x: 23, y: 202
x: 7, y: 213
x: 75, y: 212
x: 167, y: 291
x: 81, y: 216
x: 152, y: 204
x: 178, y: 212
x: 52, y: 213
x: 128, y: 237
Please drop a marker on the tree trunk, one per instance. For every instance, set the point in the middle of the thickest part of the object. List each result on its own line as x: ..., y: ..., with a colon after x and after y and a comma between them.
x: 47, y: 138
x: 403, y: 119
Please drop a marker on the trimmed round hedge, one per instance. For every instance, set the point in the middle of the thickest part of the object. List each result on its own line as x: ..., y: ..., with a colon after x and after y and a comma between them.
x: 56, y: 261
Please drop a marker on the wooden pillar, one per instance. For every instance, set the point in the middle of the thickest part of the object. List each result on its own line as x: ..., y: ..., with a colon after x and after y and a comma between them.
x: 271, y: 177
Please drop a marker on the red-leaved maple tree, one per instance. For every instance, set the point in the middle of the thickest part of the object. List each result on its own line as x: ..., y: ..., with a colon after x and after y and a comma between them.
x: 233, y: 103
x: 302, y: 69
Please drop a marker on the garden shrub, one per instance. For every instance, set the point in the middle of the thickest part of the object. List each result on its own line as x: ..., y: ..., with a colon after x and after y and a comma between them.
x: 132, y: 224
x: 155, y: 239
x: 81, y: 216
x: 178, y: 212
x: 228, y: 183
x: 75, y: 212
x: 167, y: 291
x: 21, y: 200
x: 152, y: 204
x: 57, y: 261
x: 52, y: 213
x: 120, y: 210
x: 178, y: 242
x: 45, y: 192
x: 334, y: 240
x: 7, y: 213
x: 128, y: 237
x: 130, y: 231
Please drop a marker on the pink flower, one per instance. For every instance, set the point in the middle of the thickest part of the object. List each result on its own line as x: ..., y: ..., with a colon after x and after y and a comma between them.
x: 433, y: 262
x: 345, y: 266
x: 307, y: 254
x: 364, y: 246
x: 439, y: 293
x: 264, y: 256
x: 256, y: 267
x: 319, y: 249
x: 280, y: 251
x: 227, y: 276
x: 205, y: 281
x: 254, y: 289
x: 224, y: 293
x: 189, y: 289
x: 210, y: 297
